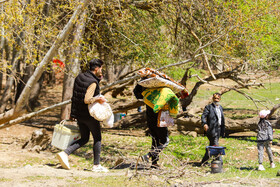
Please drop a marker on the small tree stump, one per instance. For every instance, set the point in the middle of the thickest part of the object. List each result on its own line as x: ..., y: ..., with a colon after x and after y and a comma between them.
x: 39, y: 141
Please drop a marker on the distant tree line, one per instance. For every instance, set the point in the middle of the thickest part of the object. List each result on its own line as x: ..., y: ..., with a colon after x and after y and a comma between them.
x: 41, y: 38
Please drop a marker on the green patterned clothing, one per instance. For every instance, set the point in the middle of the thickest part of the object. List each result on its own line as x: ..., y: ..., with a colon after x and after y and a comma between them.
x: 162, y: 99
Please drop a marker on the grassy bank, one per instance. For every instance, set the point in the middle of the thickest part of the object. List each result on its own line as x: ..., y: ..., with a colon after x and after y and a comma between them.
x: 178, y: 161
x: 266, y: 96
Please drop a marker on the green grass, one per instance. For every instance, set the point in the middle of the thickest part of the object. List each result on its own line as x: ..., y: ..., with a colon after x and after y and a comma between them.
x: 237, y: 106
x: 186, y: 147
x: 111, y: 181
x: 247, y: 174
x: 3, y: 179
x: 36, y: 178
x: 240, y: 162
x: 277, y: 131
x: 264, y: 97
x: 182, y: 149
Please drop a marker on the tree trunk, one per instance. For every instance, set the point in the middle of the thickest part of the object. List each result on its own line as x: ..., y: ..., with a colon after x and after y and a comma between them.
x: 4, y: 58
x: 73, y: 66
x: 36, y: 90
x: 2, y: 41
x: 1, y: 82
x: 48, y: 57
x: 21, y: 103
x: 2, y: 44
x: 133, y: 120
x: 8, y: 90
x: 185, y: 77
x: 118, y: 90
x: 110, y: 75
x: 30, y: 115
x: 232, y: 126
x: 34, y: 94
x: 126, y: 106
x: 6, y: 96
x: 194, y: 123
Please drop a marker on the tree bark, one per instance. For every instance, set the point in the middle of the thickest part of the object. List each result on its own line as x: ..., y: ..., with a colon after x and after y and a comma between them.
x: 6, y: 95
x: 133, y: 120
x: 119, y: 108
x: 109, y: 68
x: 120, y: 89
x: 30, y: 115
x: 73, y: 66
x: 13, y: 73
x: 2, y: 44
x: 35, y: 92
x: 232, y: 126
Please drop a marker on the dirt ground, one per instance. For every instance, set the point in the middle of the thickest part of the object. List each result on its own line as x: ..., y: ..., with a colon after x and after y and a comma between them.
x: 17, y: 166
x: 15, y: 169
x: 20, y: 167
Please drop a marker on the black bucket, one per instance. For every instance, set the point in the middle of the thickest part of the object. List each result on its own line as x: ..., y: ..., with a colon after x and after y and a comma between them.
x: 216, y: 166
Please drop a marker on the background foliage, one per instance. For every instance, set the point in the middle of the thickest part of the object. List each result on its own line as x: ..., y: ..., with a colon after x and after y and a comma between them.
x: 128, y: 35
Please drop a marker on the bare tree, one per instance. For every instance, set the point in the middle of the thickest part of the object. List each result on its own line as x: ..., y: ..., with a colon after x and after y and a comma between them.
x: 21, y: 103
x: 73, y: 66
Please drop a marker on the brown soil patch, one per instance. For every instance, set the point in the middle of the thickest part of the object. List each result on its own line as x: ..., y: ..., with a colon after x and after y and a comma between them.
x: 19, y: 167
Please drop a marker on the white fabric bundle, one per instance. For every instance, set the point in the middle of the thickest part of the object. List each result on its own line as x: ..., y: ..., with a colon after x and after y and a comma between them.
x: 109, y: 122
x: 102, y: 112
x: 157, y: 82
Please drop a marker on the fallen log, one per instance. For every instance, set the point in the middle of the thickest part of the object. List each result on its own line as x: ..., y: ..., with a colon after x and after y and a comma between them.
x: 189, y: 124
x: 232, y: 126
x: 30, y: 115
x: 117, y: 89
x: 126, y: 105
x: 116, y: 107
x: 136, y: 120
x: 193, y: 123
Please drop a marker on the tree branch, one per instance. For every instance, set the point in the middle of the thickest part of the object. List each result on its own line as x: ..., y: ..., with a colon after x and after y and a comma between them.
x: 200, y: 44
x: 21, y: 102
x: 274, y: 109
x: 231, y: 88
x: 30, y: 115
x: 3, y: 1
x: 39, y: 70
x: 134, y: 77
x: 224, y: 75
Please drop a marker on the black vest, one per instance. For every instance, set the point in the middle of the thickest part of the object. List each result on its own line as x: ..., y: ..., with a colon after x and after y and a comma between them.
x: 78, y: 107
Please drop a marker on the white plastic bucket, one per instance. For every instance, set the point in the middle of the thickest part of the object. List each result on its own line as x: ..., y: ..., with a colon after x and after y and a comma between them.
x: 64, y: 135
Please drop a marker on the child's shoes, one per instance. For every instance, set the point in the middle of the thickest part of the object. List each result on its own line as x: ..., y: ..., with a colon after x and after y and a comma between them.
x: 261, y: 168
x: 272, y: 165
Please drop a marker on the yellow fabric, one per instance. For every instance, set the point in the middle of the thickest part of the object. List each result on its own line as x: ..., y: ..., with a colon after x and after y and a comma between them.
x: 161, y: 99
